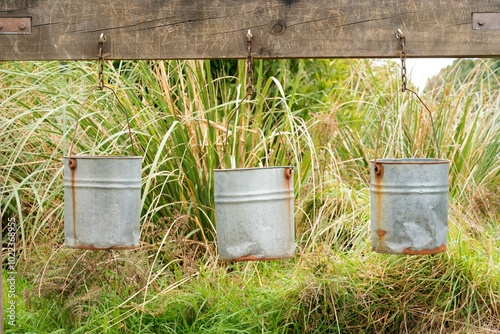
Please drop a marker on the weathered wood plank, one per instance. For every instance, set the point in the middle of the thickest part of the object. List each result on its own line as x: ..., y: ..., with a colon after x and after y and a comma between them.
x: 175, y: 29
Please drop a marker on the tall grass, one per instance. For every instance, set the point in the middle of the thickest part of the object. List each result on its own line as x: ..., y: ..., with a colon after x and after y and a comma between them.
x: 191, y: 117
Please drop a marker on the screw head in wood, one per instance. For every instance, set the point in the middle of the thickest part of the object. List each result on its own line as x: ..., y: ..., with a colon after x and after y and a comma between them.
x: 279, y: 27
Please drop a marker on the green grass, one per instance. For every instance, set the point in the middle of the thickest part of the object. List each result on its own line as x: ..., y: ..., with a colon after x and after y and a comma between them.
x: 188, y: 118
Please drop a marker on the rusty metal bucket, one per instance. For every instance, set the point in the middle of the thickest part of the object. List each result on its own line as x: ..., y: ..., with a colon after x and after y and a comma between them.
x: 102, y: 194
x: 102, y: 202
x: 254, y: 213
x: 409, y: 205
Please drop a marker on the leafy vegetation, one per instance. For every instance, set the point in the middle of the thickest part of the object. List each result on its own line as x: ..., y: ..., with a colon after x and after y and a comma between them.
x: 191, y: 117
x: 483, y: 72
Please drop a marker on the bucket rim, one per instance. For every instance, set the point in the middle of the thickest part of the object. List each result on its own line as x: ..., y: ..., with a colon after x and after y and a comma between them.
x: 250, y: 168
x: 102, y: 157
x: 410, y: 161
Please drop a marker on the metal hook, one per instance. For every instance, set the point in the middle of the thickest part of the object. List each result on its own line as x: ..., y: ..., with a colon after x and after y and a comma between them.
x: 102, y: 38
x: 399, y: 34
x: 249, y: 36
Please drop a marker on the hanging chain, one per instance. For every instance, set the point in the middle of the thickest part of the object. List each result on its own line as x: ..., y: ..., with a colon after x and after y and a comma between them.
x: 102, y: 86
x: 250, y: 90
x: 100, y: 61
x: 249, y: 63
x: 402, y: 41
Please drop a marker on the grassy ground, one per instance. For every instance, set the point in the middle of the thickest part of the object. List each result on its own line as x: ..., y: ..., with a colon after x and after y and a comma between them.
x: 188, y: 118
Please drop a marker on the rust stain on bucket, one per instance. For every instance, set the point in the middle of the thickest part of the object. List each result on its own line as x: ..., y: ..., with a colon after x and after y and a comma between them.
x: 72, y: 164
x: 379, y: 173
x: 381, y: 233
x: 247, y: 258
x: 289, y: 187
x: 89, y: 247
x: 409, y: 251
x: 256, y: 258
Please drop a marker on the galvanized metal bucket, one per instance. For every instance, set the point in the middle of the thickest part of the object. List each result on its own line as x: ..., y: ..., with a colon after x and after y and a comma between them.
x: 102, y: 202
x: 409, y: 205
x: 254, y: 213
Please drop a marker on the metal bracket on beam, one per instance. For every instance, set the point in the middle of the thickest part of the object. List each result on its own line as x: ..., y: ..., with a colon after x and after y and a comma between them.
x: 15, y: 25
x: 486, y: 21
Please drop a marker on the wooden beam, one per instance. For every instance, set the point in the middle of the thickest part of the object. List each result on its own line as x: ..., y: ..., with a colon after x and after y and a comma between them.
x: 192, y: 29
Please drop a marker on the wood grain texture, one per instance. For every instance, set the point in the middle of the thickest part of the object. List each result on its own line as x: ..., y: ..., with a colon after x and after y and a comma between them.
x: 192, y: 29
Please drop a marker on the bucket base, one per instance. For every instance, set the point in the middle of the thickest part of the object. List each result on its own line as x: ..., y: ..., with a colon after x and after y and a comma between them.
x: 248, y: 258
x: 440, y: 249
x: 381, y: 249
x: 87, y: 247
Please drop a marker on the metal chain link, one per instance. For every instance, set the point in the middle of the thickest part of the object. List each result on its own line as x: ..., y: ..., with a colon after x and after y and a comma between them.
x: 402, y: 40
x: 100, y: 61
x: 249, y: 63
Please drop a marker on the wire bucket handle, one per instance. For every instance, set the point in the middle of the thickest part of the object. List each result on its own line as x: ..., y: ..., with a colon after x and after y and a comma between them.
x: 250, y: 91
x: 102, y: 87
x: 401, y: 37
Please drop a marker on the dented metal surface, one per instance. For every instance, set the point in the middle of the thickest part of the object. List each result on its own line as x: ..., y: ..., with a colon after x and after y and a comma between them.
x: 254, y: 213
x: 409, y: 206
x: 102, y: 198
